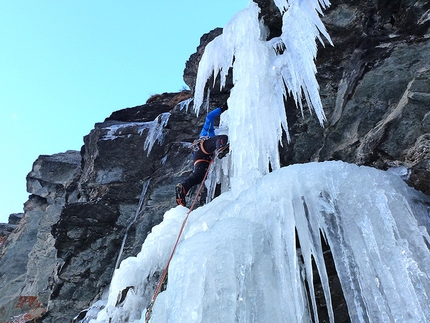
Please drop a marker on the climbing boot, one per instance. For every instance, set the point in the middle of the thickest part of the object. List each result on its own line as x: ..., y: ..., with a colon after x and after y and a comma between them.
x: 180, y: 195
x: 222, y: 151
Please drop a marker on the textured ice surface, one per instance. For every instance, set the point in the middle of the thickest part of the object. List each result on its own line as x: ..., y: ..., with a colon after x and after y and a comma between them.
x: 237, y: 260
x: 263, y: 76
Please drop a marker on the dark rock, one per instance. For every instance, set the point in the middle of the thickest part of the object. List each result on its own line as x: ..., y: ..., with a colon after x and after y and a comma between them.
x: 192, y: 65
x: 271, y: 16
x: 28, y: 254
x: 6, y: 228
x: 14, y: 218
x: 52, y: 177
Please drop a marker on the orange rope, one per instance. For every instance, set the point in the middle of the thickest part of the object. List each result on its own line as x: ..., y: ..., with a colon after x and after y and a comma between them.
x: 163, y: 275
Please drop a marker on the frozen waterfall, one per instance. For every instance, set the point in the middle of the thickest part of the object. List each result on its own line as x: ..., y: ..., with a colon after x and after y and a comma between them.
x: 263, y: 77
x: 238, y: 260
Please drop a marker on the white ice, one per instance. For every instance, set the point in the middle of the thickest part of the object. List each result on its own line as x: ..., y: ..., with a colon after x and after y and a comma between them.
x: 237, y: 260
x: 185, y: 104
x: 260, y: 73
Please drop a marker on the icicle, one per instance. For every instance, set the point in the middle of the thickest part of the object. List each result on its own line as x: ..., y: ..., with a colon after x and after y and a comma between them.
x: 138, y: 210
x: 185, y: 104
x: 238, y: 255
x: 156, y: 131
x: 260, y: 72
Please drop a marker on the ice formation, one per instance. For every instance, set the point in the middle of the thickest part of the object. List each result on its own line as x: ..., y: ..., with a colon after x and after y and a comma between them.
x: 185, y: 104
x: 136, y: 215
x: 260, y: 73
x: 237, y: 260
x: 155, y: 130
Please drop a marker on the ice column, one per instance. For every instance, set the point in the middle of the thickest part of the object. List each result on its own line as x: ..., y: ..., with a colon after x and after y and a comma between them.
x: 261, y: 69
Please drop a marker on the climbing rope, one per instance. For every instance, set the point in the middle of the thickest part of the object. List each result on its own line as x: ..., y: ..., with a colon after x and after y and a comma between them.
x: 163, y: 275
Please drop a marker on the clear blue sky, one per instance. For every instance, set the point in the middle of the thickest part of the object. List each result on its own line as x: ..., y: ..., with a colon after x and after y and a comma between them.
x: 65, y: 65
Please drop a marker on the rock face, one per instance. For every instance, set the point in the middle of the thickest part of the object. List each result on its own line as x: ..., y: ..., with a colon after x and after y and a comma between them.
x: 58, y: 257
x: 28, y: 261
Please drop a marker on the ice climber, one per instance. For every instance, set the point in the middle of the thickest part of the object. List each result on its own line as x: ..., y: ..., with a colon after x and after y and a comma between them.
x: 204, y: 150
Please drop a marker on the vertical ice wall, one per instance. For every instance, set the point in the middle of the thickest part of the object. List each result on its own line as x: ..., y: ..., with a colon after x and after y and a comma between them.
x: 262, y: 76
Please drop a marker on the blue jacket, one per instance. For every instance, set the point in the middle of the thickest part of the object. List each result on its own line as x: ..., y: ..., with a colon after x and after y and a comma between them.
x: 208, y: 129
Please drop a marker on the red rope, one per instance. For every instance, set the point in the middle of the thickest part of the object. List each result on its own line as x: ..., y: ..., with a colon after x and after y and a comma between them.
x: 163, y: 275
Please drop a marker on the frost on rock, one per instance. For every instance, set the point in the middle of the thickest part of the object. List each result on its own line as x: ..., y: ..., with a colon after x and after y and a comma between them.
x: 238, y: 261
x: 155, y: 133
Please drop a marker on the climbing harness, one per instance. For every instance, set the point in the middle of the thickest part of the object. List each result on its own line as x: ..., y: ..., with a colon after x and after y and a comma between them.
x: 201, y: 160
x: 202, y: 147
x: 198, y: 142
x: 163, y: 275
